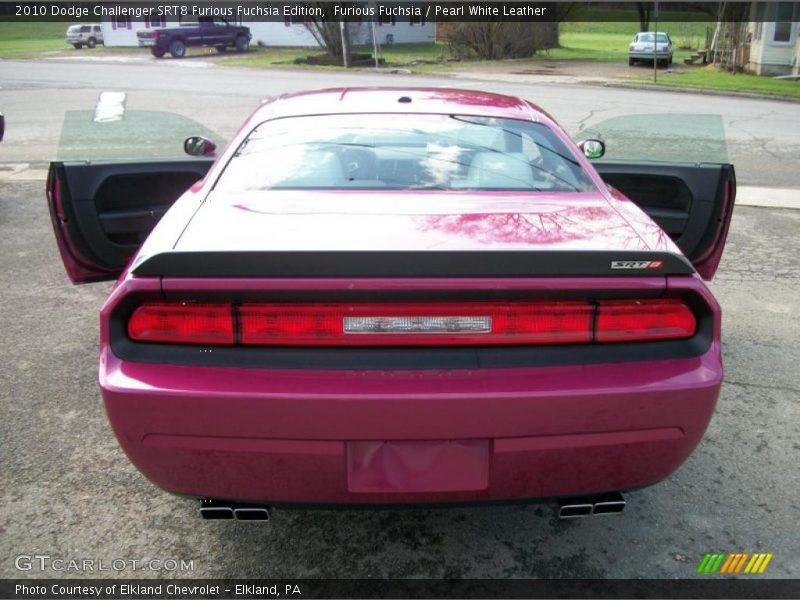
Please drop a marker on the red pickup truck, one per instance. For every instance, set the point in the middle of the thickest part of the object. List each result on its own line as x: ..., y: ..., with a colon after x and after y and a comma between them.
x: 203, y: 32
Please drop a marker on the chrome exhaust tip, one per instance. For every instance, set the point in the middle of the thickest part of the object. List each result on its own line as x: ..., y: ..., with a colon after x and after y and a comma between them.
x: 611, y: 504
x: 212, y: 513
x: 605, y: 504
x: 574, y: 510
x: 251, y: 514
x: 219, y: 509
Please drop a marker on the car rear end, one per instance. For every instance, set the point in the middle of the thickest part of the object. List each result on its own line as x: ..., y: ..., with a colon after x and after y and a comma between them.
x: 147, y: 38
x: 646, y: 49
x: 393, y: 390
x: 74, y: 35
x: 424, y: 306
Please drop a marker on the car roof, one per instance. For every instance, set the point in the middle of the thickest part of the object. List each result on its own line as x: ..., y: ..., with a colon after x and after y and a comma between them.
x: 355, y: 100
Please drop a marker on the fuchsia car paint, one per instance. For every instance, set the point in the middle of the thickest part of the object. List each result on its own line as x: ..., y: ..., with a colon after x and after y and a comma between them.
x: 555, y: 255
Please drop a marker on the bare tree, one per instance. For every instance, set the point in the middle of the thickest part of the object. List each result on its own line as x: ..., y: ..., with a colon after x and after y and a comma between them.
x: 644, y: 15
x: 497, y: 40
x: 330, y: 35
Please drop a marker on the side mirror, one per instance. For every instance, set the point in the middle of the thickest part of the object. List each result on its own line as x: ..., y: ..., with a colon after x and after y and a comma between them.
x: 199, y: 146
x: 2, y: 126
x: 592, y: 148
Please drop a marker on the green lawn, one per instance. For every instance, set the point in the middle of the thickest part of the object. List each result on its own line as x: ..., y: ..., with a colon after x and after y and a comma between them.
x: 712, y: 78
x: 600, y: 46
x: 24, y: 40
x: 394, y: 55
x: 269, y: 56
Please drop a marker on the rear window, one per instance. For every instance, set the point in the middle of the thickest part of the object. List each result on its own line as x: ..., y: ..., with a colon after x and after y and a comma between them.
x: 404, y: 151
x: 648, y: 37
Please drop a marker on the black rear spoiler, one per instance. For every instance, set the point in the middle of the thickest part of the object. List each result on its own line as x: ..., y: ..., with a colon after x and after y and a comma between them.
x: 338, y: 264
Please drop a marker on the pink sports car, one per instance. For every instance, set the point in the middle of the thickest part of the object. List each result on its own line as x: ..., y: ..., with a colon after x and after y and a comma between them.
x: 394, y: 296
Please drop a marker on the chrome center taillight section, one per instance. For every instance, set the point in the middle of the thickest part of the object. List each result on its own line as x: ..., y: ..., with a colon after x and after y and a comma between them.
x: 418, y: 324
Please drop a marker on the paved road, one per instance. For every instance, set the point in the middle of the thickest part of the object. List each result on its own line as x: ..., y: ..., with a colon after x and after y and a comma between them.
x: 761, y: 135
x: 66, y: 489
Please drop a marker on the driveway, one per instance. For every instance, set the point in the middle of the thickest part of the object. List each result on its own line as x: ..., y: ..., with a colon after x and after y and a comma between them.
x: 554, y: 71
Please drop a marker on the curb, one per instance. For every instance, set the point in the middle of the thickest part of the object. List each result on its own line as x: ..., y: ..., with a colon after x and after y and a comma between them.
x: 766, y: 197
x: 701, y: 91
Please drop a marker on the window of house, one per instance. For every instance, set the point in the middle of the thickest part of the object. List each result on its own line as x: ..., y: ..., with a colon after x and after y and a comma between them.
x: 783, y: 22
x: 121, y: 22
x: 154, y: 22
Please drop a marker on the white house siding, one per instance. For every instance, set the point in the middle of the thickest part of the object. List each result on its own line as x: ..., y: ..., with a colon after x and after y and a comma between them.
x: 122, y: 32
x: 403, y: 32
x: 282, y: 34
x: 796, y: 67
x: 768, y: 57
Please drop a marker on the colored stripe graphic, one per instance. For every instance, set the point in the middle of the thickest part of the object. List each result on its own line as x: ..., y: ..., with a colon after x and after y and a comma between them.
x: 741, y: 562
x: 729, y: 563
x: 734, y: 563
x: 701, y: 568
x: 765, y: 563
x: 751, y: 564
x: 714, y: 563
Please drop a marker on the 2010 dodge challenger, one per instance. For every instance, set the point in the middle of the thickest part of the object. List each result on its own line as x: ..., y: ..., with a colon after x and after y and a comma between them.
x: 393, y: 296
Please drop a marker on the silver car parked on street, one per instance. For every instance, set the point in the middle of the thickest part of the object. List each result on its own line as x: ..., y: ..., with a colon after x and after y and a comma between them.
x: 641, y: 48
x: 88, y: 35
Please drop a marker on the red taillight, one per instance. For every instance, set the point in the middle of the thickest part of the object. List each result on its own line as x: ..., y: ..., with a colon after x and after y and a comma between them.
x: 407, y: 324
x: 182, y: 323
x: 630, y: 320
x: 155, y: 35
x: 411, y: 324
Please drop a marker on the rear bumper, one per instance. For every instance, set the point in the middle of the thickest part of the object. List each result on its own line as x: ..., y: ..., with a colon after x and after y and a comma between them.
x: 289, y: 436
x: 649, y: 55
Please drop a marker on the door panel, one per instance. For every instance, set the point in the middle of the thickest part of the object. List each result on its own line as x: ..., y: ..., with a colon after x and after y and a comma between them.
x: 102, y: 212
x: 693, y: 203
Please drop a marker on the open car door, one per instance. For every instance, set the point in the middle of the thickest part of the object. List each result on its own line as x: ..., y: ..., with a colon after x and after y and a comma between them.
x: 675, y: 168
x: 692, y: 203
x: 102, y: 212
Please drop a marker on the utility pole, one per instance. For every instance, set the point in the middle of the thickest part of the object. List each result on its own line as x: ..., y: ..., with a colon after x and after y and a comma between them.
x: 345, y: 45
x: 655, y: 44
x: 375, y: 51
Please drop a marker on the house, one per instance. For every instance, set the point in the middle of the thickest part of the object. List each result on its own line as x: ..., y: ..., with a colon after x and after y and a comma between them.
x: 121, y: 31
x: 774, y: 34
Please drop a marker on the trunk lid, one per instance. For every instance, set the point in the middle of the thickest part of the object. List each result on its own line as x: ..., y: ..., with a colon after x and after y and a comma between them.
x: 413, y: 234
x: 282, y: 221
